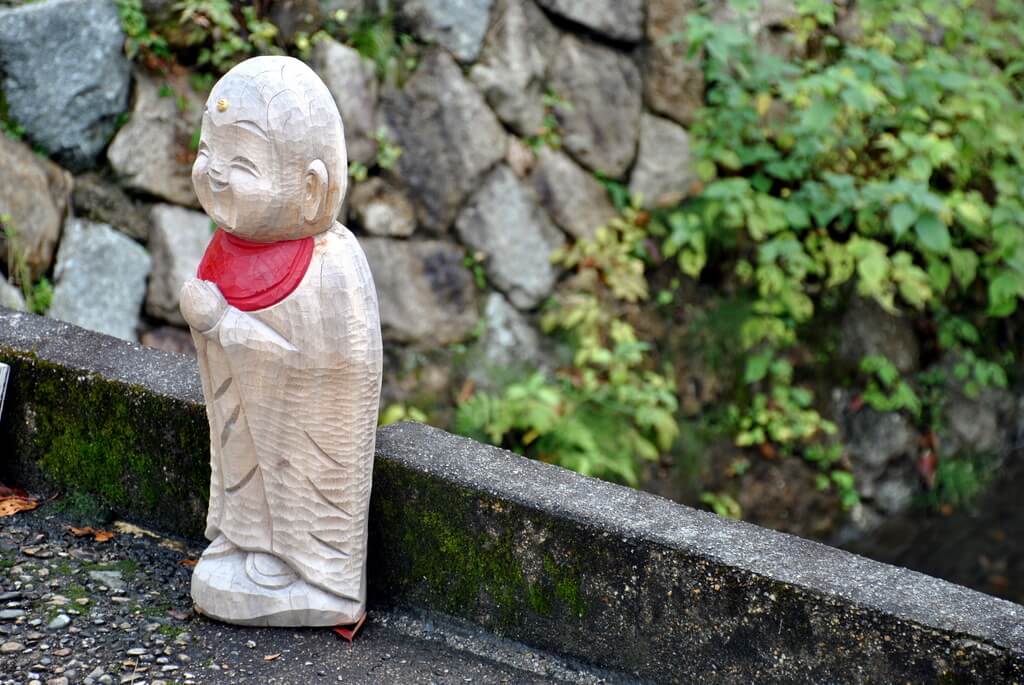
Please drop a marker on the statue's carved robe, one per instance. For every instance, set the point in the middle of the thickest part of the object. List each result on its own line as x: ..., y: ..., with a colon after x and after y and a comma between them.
x: 292, y: 396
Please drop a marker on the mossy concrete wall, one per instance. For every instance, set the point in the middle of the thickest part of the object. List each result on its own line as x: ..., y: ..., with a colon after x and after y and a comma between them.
x: 617, y: 577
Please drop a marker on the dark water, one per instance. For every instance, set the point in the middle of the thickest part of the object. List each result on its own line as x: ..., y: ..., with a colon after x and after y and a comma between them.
x: 982, y: 548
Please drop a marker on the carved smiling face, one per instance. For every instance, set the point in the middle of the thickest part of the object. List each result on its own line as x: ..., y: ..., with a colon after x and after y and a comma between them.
x: 271, y: 161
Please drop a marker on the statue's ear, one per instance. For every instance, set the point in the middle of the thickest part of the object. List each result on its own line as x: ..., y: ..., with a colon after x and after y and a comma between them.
x: 314, y: 192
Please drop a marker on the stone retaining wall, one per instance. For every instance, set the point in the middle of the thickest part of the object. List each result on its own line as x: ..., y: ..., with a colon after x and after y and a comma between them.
x: 624, y: 579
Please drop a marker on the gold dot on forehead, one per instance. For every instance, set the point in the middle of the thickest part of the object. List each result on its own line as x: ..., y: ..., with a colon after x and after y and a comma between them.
x: 222, y: 105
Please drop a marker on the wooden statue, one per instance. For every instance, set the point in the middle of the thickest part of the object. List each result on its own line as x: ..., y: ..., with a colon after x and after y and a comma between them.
x: 285, y: 321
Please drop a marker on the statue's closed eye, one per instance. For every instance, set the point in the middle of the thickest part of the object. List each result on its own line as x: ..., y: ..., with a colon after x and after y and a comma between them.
x: 245, y: 165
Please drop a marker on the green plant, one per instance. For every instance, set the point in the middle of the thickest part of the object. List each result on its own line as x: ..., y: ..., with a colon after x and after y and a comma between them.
x: 39, y: 294
x: 610, y: 410
x: 550, y: 131
x: 400, y: 411
x: 885, y: 166
x: 375, y: 38
x: 386, y: 157
x: 140, y: 39
x: 886, y: 390
x: 722, y: 504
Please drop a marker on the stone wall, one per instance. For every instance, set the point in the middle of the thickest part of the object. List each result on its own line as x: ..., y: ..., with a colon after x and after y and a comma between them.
x: 620, y: 578
x: 479, y: 181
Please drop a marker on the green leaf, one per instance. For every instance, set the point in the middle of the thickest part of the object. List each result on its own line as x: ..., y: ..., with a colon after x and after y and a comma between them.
x: 757, y: 367
x: 1003, y: 291
x: 933, y: 234
x: 964, y: 264
x: 901, y: 217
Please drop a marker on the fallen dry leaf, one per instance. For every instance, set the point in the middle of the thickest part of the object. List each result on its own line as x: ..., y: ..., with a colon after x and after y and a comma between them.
x: 179, y: 614
x: 12, y: 504
x: 271, y: 657
x: 132, y: 529
x: 97, y: 534
x: 189, y: 563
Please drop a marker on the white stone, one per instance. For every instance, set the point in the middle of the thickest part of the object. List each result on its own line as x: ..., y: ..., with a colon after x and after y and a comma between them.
x: 177, y: 239
x: 503, y: 221
x: 664, y: 174
x: 100, y: 279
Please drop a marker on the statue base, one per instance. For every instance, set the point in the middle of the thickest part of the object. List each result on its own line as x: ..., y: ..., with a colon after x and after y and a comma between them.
x: 258, y: 589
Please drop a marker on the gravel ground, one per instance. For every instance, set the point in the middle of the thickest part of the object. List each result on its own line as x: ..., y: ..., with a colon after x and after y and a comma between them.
x: 75, y: 610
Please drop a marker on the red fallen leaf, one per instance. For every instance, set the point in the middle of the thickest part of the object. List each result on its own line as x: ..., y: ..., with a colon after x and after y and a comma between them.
x: 189, y: 563
x: 857, y: 403
x: 97, y: 534
x: 767, y: 450
x: 349, y: 632
x: 12, y: 504
x: 926, y: 466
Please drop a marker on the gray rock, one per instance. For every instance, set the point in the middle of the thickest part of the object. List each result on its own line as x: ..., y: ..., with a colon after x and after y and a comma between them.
x: 759, y: 19
x: 874, y: 441
x: 503, y: 221
x: 100, y: 279
x: 65, y: 75
x: 59, y: 622
x: 11, y: 614
x: 894, y: 496
x: 381, y: 209
x: 510, y: 72
x: 151, y: 152
x: 101, y: 201
x: 11, y: 296
x: 600, y: 124
x: 867, y: 329
x: 448, y: 136
x: 11, y: 647
x: 426, y: 293
x: 663, y: 173
x: 458, y: 25
x: 292, y: 17
x: 673, y: 82
x: 352, y: 81
x: 112, y: 579
x: 619, y: 19
x: 509, y: 347
x: 982, y: 425
x: 573, y: 198
x: 169, y: 339
x: 177, y: 242
x: 34, y: 195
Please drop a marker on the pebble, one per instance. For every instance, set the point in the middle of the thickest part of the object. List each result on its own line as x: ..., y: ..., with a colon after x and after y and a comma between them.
x: 57, y: 681
x: 136, y: 651
x: 11, y: 614
x: 11, y: 647
x: 61, y: 621
x: 106, y: 679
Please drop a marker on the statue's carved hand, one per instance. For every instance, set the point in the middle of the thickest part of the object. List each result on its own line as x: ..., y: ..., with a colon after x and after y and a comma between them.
x: 202, y: 304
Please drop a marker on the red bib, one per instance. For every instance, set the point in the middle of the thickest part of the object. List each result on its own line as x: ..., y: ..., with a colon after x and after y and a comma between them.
x: 254, y: 275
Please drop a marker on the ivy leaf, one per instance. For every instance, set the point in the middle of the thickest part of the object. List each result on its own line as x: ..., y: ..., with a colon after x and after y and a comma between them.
x: 1003, y: 291
x: 757, y: 367
x: 901, y: 216
x: 933, y: 234
x: 965, y: 266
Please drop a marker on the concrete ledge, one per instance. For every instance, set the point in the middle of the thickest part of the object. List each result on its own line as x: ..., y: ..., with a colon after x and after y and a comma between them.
x: 626, y: 580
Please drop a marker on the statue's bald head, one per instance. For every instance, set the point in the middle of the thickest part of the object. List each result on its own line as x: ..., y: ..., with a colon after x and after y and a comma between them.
x: 283, y: 100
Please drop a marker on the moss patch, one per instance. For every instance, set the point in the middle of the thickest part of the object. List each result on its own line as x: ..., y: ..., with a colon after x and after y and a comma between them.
x: 453, y: 551
x: 125, y: 446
